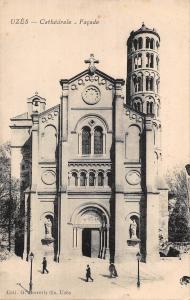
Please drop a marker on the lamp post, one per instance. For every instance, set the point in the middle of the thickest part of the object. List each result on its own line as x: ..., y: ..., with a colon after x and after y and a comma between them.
x: 138, y: 275
x: 31, y: 257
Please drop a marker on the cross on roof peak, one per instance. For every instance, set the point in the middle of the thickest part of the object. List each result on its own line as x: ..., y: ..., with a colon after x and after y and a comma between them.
x: 91, y: 61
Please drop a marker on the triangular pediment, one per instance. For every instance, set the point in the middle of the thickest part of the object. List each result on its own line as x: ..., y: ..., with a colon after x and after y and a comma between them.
x: 87, y: 72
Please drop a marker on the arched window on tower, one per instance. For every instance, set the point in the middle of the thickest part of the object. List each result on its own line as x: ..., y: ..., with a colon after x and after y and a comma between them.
x: 100, y: 179
x: 98, y: 140
x: 152, y: 60
x: 138, y: 106
x: 91, y: 179
x: 157, y: 62
x: 151, y: 83
x: 147, y: 60
x: 136, y: 62
x: 139, y: 84
x: 140, y: 43
x: 82, y: 179
x: 152, y: 44
x: 151, y: 107
x: 135, y: 44
x: 147, y: 107
x: 86, y: 140
x: 147, y: 43
x: 139, y: 60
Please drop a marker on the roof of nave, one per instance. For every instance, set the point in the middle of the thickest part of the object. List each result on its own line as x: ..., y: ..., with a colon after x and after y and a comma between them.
x: 24, y: 116
x: 49, y: 110
x: 144, y: 29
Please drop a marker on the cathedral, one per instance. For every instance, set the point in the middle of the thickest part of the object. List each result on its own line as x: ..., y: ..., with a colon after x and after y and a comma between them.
x: 90, y: 167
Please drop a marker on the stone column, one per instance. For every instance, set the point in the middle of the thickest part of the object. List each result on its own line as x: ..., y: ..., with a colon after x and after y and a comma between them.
x: 65, y: 230
x: 152, y: 197
x: 92, y: 142
x: 104, y: 143
x: 107, y: 253
x: 119, y: 172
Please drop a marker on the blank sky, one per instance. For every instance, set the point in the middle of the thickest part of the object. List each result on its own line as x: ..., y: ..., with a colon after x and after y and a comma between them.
x: 34, y: 57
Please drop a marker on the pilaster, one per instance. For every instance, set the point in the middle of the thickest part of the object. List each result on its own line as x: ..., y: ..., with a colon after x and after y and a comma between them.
x: 119, y: 172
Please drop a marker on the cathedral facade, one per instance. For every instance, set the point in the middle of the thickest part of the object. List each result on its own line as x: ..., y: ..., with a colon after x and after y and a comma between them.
x: 90, y: 167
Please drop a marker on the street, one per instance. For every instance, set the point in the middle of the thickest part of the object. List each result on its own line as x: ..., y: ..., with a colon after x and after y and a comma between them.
x: 66, y: 280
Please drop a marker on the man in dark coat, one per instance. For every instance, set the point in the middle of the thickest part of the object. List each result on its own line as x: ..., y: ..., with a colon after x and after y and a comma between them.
x: 44, y: 265
x: 88, y: 274
x: 113, y: 271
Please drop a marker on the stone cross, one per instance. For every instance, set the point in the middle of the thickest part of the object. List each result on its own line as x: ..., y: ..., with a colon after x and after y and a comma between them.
x: 91, y: 61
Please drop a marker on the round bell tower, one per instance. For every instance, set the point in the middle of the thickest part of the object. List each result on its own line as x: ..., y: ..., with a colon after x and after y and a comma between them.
x: 143, y: 76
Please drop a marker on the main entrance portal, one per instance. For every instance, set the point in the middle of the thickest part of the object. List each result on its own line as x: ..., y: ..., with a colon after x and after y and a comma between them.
x: 91, y: 242
x: 91, y: 232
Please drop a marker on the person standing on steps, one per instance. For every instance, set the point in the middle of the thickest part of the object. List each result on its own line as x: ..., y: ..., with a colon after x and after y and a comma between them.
x: 44, y: 265
x: 88, y: 274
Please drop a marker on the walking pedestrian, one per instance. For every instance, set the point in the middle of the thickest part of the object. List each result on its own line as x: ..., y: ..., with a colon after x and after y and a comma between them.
x: 112, y: 270
x: 44, y: 265
x: 88, y: 273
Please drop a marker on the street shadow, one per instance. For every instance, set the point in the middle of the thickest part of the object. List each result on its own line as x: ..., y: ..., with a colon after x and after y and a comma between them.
x: 23, y: 288
x: 107, y: 276
x: 82, y: 279
x: 40, y: 271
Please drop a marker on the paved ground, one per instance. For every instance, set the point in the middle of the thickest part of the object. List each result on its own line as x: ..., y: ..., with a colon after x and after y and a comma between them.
x: 67, y: 280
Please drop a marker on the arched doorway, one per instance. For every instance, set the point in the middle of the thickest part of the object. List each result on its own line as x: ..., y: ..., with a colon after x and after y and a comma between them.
x: 91, y: 232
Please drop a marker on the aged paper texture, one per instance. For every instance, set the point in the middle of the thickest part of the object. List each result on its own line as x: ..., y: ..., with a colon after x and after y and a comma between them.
x: 44, y: 41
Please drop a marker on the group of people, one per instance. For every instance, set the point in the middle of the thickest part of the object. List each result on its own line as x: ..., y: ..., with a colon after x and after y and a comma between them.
x: 112, y: 270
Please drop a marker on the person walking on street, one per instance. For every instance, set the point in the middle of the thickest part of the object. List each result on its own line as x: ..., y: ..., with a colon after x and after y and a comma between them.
x: 112, y: 270
x: 44, y: 265
x: 88, y: 274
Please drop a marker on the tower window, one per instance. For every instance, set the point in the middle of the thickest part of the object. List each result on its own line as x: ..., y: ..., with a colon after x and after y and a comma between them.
x: 152, y: 61
x: 139, y: 84
x: 98, y: 140
x: 147, y: 43
x: 135, y: 44
x: 149, y: 83
x: 149, y: 107
x: 152, y: 44
x: 140, y: 43
x: 86, y: 140
x: 157, y: 62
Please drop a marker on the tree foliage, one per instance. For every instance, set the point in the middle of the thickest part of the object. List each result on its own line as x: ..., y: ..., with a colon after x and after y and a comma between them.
x: 179, y: 217
x: 9, y: 197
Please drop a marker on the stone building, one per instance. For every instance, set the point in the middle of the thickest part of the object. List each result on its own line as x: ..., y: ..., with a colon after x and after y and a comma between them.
x: 90, y: 167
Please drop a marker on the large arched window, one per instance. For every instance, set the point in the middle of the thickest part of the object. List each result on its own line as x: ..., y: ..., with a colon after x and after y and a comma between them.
x: 100, y: 179
x: 86, y: 140
x: 98, y: 140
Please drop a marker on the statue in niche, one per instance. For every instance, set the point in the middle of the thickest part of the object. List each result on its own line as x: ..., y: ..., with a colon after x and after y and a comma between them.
x: 133, y: 230
x: 48, y: 228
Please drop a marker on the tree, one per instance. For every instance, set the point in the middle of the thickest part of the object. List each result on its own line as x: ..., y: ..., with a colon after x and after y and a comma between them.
x: 9, y: 198
x: 179, y: 211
